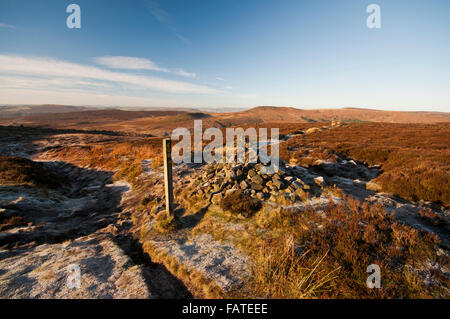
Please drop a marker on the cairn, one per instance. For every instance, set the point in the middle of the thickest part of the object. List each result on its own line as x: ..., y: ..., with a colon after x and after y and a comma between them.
x: 288, y: 185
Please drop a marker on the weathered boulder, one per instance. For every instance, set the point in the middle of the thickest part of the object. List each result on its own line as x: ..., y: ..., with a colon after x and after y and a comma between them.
x: 319, y: 181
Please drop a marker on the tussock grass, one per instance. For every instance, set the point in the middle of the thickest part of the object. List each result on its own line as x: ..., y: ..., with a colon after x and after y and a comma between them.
x: 16, y: 170
x: 123, y: 157
x: 279, y: 272
x: 165, y: 223
x: 324, y: 253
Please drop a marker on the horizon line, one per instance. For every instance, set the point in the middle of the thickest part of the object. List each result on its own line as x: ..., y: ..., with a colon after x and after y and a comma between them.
x: 306, y: 108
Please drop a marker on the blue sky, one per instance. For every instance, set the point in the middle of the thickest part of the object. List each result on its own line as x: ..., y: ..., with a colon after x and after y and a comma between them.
x: 234, y: 53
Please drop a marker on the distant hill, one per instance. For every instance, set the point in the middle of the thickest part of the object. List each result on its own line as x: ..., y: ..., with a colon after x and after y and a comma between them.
x: 15, y: 111
x: 290, y: 114
x: 163, y: 121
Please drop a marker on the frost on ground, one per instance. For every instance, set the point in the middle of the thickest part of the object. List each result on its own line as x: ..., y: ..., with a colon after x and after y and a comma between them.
x: 219, y: 262
x: 43, y: 271
x: 81, y: 222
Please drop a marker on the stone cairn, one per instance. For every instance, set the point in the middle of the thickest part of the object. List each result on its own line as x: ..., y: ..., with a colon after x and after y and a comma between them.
x: 288, y: 185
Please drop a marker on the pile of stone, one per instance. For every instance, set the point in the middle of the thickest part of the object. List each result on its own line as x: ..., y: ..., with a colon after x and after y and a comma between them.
x: 288, y: 185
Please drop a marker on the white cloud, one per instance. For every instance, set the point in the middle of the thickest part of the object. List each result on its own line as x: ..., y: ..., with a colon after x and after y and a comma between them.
x: 184, y: 73
x: 51, y: 68
x: 7, y: 26
x: 218, y: 78
x: 133, y: 63
x: 20, y: 82
x: 80, y: 97
x: 125, y: 62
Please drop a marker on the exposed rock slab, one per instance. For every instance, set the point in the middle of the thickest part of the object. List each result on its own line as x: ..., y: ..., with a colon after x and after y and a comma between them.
x: 219, y: 262
x: 42, y: 271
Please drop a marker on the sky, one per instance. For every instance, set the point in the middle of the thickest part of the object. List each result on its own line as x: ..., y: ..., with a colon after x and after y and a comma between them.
x: 233, y: 53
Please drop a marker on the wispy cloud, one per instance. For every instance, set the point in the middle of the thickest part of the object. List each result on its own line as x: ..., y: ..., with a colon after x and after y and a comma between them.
x: 27, y: 82
x: 46, y: 68
x: 164, y: 17
x: 130, y: 63
x: 184, y: 73
x: 133, y: 63
x: 80, y: 97
x: 7, y: 26
x: 218, y: 78
x: 160, y: 14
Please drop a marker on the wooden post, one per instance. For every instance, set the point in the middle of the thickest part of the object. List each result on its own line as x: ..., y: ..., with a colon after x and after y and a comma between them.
x: 167, y: 151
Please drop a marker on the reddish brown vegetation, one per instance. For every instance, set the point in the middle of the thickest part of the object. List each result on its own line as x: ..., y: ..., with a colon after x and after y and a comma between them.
x: 415, y: 158
x: 122, y: 157
x: 159, y: 122
x: 347, y: 238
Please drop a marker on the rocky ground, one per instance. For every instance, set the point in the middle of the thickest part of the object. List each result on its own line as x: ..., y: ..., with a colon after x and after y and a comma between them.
x: 292, y: 187
x: 89, y: 222
x: 80, y: 223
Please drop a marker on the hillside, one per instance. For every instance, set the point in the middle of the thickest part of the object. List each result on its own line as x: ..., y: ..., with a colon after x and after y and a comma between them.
x: 289, y: 114
x: 16, y: 111
x: 161, y: 122
x: 307, y: 231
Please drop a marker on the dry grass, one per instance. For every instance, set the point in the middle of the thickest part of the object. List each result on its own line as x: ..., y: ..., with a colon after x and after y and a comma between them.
x: 15, y: 170
x: 358, y: 235
x: 279, y: 272
x: 325, y: 254
x: 165, y: 223
x: 123, y: 157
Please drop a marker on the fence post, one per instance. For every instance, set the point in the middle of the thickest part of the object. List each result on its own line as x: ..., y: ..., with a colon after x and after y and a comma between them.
x: 167, y: 151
